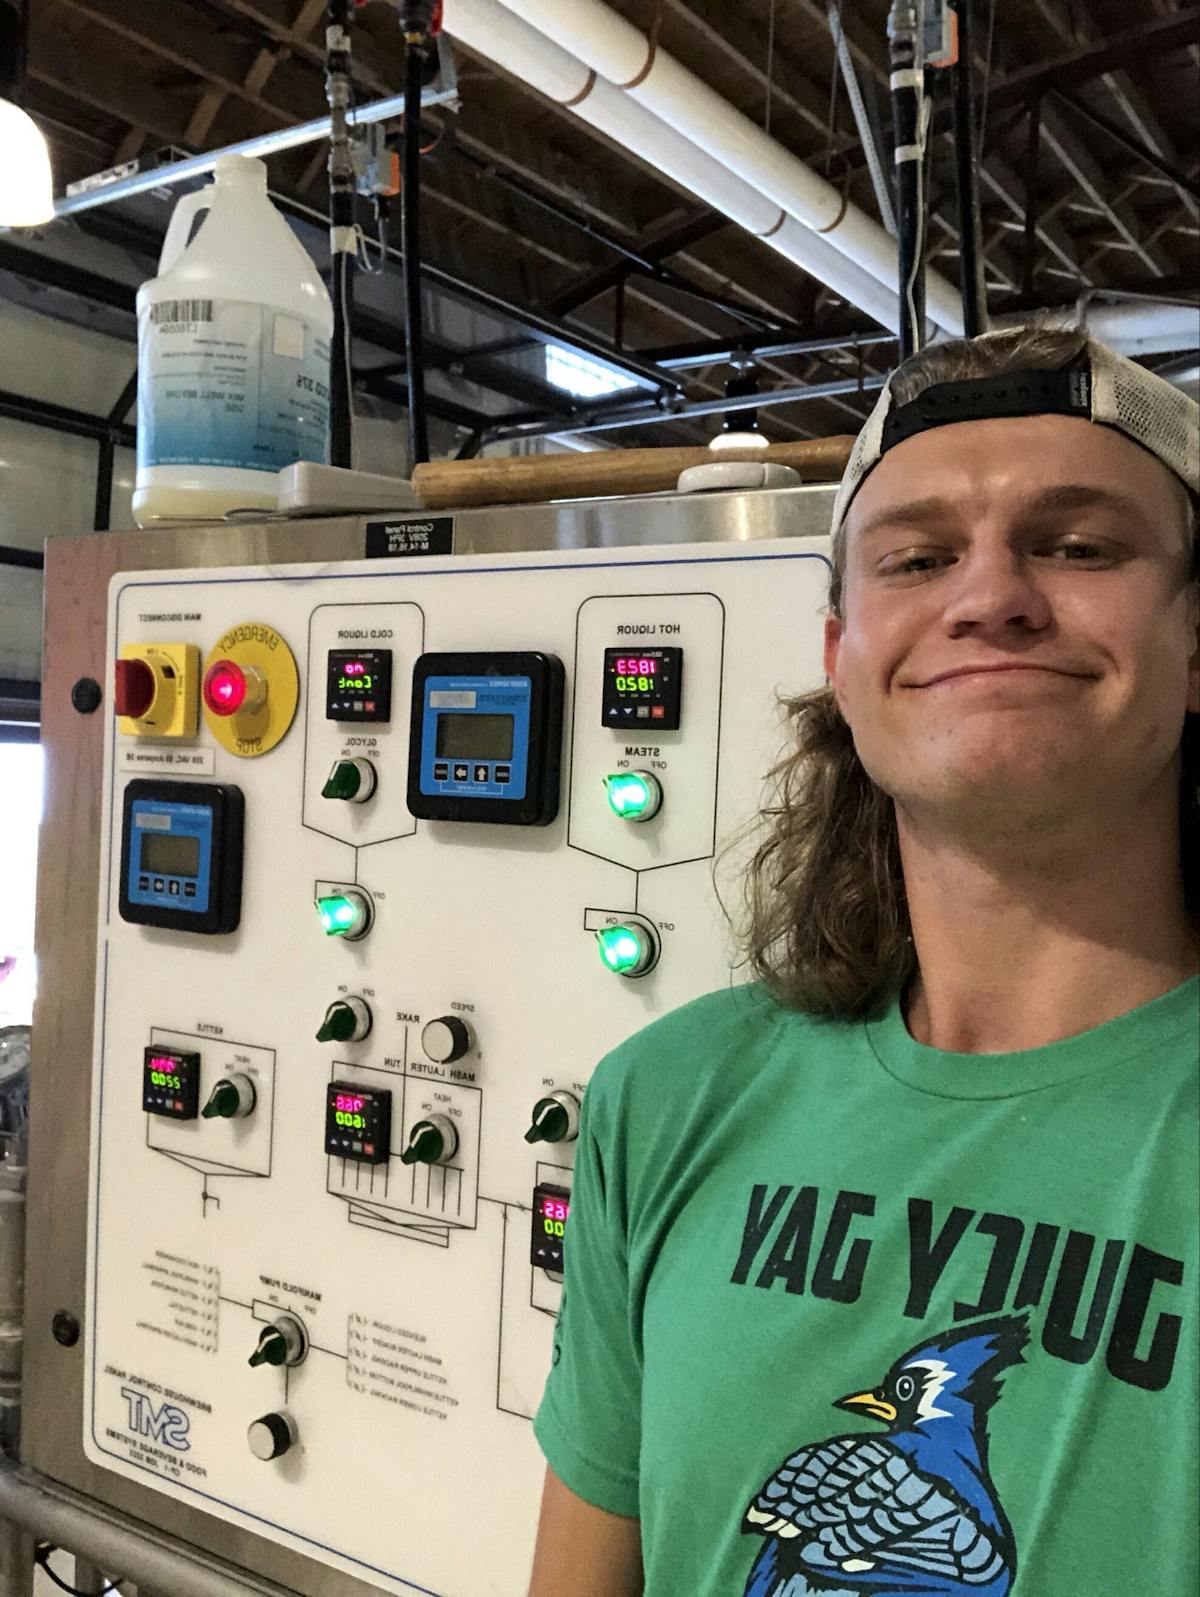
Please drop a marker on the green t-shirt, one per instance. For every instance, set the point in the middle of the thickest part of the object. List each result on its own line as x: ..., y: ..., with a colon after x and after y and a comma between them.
x: 994, y: 1254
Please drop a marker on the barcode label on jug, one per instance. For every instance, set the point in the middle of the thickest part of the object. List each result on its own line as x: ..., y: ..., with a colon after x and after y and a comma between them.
x: 182, y: 310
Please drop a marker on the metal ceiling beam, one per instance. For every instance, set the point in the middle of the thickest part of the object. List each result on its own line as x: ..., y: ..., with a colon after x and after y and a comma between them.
x: 609, y: 419
x: 1086, y: 170
x: 1080, y: 29
x: 999, y: 179
x: 767, y: 346
x: 656, y: 245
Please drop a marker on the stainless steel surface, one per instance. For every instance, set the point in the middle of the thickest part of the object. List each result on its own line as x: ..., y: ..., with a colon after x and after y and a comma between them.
x: 265, y: 144
x: 77, y: 576
x: 135, y: 1552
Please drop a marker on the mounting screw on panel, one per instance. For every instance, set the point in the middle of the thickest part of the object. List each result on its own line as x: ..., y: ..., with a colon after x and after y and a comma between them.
x: 86, y: 695
x: 65, y: 1328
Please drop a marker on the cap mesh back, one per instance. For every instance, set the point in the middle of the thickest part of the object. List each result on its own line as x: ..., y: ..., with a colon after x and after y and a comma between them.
x: 1151, y: 411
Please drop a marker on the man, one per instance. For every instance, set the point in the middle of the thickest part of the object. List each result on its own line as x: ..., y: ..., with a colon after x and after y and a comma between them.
x: 938, y: 1169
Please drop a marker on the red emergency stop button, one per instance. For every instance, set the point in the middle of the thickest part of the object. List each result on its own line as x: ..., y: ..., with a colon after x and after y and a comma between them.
x: 224, y: 687
x: 133, y: 688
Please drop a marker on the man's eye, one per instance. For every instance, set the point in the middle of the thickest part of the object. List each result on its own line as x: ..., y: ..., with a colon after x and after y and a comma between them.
x: 1078, y: 550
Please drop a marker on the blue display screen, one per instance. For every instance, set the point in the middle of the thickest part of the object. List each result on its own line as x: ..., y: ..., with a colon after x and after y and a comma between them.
x: 170, y: 855
x: 475, y: 737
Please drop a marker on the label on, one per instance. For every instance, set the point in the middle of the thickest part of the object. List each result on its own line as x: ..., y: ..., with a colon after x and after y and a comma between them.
x: 224, y: 382
x: 139, y: 759
x: 429, y: 535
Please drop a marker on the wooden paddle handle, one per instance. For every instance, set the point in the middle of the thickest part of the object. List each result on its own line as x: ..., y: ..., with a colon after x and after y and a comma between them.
x: 533, y: 479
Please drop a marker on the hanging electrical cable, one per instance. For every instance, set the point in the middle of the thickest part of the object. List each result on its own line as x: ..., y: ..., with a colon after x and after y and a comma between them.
x: 420, y: 21
x: 343, y: 233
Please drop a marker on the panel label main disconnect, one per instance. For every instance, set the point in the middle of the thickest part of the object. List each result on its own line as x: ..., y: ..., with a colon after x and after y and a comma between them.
x: 230, y: 383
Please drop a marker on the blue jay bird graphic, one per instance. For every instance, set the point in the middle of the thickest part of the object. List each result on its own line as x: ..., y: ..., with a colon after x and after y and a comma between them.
x: 912, y: 1513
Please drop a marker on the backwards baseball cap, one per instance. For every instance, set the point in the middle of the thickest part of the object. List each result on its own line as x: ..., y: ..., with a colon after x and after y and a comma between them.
x: 1097, y: 385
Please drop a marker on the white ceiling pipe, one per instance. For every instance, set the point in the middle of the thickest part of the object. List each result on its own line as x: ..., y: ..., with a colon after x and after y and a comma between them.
x: 496, y: 33
x: 1138, y: 327
x: 625, y: 58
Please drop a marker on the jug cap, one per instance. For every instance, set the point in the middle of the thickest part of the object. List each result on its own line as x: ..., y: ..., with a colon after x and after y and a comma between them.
x: 240, y: 169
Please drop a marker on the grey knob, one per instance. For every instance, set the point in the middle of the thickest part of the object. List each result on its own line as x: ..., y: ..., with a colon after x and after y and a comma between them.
x: 272, y: 1436
x: 447, y: 1039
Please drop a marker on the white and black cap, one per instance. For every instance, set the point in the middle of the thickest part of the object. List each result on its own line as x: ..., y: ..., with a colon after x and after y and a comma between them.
x: 1098, y: 385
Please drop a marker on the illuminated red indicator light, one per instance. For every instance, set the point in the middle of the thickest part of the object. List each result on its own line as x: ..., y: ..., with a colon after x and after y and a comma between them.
x: 133, y: 688
x: 224, y: 687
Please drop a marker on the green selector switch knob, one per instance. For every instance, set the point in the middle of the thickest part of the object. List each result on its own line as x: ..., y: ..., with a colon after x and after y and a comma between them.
x: 352, y: 781
x: 555, y: 1119
x: 282, y: 1342
x: 431, y: 1141
x: 232, y: 1098
x: 346, y: 1020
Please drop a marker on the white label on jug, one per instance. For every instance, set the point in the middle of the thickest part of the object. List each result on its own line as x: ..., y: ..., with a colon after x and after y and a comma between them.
x: 230, y: 383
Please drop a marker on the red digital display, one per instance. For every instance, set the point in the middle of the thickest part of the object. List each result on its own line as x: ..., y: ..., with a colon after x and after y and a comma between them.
x: 555, y: 1209
x: 633, y: 666
x: 349, y: 1104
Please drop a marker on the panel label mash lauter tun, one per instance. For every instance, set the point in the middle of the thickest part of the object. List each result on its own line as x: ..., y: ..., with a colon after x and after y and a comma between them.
x: 429, y: 841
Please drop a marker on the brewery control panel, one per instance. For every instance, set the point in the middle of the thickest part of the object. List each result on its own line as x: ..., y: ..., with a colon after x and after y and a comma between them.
x: 394, y: 853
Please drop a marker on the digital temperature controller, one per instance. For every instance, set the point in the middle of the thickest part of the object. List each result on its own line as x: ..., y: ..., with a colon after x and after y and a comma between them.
x: 642, y: 690
x: 551, y: 1208
x: 358, y: 1122
x: 171, y: 1083
x: 358, y: 686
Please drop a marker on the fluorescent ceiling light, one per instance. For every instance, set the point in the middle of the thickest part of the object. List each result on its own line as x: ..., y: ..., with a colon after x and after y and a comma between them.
x: 586, y: 379
x: 26, y: 186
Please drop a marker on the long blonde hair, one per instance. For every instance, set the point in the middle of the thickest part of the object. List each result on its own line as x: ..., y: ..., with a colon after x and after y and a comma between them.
x: 826, y: 924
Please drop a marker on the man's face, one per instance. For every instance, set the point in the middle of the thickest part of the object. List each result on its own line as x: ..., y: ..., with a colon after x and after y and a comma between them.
x: 1044, y: 542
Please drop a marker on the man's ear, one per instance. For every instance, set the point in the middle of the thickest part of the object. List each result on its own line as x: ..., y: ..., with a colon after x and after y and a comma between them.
x: 834, y: 627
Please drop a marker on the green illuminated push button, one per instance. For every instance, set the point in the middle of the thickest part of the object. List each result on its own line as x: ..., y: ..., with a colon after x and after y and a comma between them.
x: 431, y: 1141
x: 555, y: 1119
x: 231, y: 1099
x: 630, y: 949
x: 634, y: 795
x: 353, y: 781
x: 346, y: 914
x: 346, y: 1020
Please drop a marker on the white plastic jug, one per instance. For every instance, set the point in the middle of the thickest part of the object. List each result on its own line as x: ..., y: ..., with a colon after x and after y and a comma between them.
x: 233, y: 355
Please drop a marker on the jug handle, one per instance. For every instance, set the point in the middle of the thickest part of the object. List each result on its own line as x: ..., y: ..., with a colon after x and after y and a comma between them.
x: 179, y: 229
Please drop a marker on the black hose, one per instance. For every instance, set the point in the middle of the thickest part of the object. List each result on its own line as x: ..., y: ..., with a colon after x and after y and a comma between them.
x: 970, y: 260
x: 907, y: 95
x: 416, y: 37
x: 343, y: 243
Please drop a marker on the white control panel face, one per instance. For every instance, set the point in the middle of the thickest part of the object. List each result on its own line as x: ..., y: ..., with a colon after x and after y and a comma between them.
x: 332, y: 1146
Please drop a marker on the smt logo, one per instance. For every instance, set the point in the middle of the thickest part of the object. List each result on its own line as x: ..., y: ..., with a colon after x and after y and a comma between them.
x: 168, y: 1424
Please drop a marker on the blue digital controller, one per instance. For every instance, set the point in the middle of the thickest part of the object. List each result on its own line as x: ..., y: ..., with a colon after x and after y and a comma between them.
x: 170, y: 855
x: 486, y: 738
x: 181, y: 855
x: 475, y: 736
